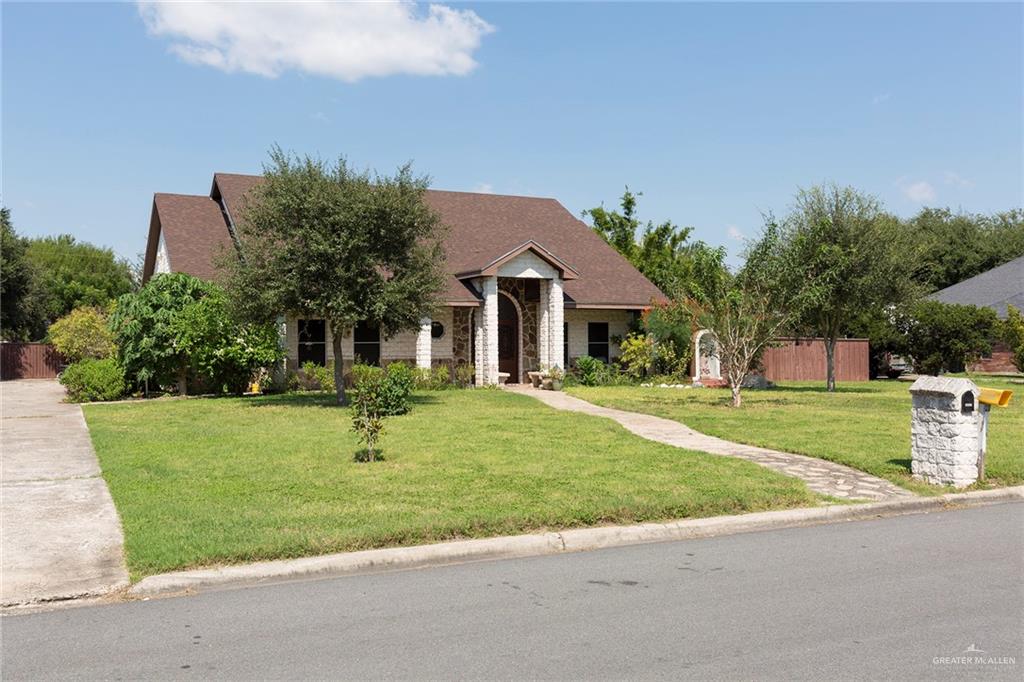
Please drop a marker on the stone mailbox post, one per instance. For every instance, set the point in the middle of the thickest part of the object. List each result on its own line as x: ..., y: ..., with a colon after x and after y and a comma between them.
x: 945, y: 431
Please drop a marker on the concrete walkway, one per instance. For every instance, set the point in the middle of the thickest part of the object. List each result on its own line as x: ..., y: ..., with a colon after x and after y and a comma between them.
x: 821, y: 476
x: 61, y: 536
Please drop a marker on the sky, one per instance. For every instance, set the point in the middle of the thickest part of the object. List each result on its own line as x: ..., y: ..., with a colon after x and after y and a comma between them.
x: 717, y: 113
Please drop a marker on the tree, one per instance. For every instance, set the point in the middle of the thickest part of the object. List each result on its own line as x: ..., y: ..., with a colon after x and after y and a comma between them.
x: 1011, y: 331
x: 72, y: 274
x: 848, y: 257
x: 146, y: 329
x: 20, y: 315
x: 958, y: 246
x: 747, y: 311
x: 328, y: 242
x: 82, y: 333
x: 663, y: 252
x: 944, y: 337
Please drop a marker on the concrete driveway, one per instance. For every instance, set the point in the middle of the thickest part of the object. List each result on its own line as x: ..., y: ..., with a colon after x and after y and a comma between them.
x: 61, y: 536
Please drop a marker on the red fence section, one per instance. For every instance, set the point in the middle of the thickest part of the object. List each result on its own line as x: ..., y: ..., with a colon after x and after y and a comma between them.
x: 29, y: 361
x: 804, y: 360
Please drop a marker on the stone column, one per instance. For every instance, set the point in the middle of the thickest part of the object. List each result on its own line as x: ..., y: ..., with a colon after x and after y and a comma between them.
x: 543, y: 331
x: 490, y: 325
x: 423, y: 344
x: 945, y: 430
x: 556, y: 319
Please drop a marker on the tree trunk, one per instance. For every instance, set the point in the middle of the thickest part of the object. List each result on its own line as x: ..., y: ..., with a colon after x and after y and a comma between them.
x: 735, y: 387
x: 830, y: 363
x: 182, y: 381
x: 339, y: 364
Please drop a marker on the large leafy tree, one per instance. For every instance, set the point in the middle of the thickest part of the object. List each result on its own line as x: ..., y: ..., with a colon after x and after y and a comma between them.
x: 662, y: 252
x: 958, y: 246
x: 72, y: 274
x: 848, y: 257
x: 21, y: 318
x: 325, y: 241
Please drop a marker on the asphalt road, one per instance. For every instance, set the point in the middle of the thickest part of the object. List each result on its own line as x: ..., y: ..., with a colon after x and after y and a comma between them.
x: 891, y: 598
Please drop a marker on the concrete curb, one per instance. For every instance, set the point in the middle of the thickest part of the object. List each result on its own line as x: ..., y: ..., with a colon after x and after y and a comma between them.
x: 576, y: 540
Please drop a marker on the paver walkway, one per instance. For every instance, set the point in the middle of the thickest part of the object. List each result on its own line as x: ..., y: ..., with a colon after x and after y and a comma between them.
x: 821, y: 476
x: 61, y: 536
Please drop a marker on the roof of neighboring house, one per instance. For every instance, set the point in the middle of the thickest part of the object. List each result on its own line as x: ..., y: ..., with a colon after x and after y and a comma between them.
x: 996, y: 288
x: 194, y: 233
x: 484, y: 229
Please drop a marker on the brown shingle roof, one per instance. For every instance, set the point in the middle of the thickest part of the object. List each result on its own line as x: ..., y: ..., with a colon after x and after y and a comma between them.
x: 485, y: 227
x: 194, y: 232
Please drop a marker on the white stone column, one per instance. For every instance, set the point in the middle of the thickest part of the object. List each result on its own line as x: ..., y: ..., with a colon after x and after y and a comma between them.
x: 423, y: 344
x: 543, y: 324
x: 490, y: 329
x: 478, y: 345
x: 556, y: 319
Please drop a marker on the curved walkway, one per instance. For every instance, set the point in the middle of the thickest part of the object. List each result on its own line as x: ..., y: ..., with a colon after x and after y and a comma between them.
x: 61, y: 534
x: 821, y: 476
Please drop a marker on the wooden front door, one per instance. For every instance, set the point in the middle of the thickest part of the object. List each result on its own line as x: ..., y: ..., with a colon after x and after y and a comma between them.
x: 508, y: 338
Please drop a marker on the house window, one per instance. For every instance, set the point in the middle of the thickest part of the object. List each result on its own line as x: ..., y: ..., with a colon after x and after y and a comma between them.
x: 597, y: 340
x: 436, y: 330
x: 367, y: 344
x: 565, y: 343
x: 312, y: 342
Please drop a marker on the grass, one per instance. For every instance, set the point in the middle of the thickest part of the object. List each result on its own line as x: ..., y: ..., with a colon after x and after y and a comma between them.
x: 864, y: 425
x: 222, y: 480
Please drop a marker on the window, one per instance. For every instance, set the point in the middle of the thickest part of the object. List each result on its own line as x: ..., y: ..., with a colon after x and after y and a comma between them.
x: 597, y: 340
x: 312, y: 342
x: 436, y: 330
x: 565, y: 344
x: 367, y: 344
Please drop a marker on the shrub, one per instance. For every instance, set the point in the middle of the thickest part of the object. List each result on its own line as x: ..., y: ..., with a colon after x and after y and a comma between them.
x: 90, y: 380
x: 1012, y: 333
x: 313, y: 377
x: 592, y: 372
x: 465, y: 375
x: 399, y: 380
x: 369, y: 407
x: 436, y: 379
x: 637, y: 355
x: 82, y: 333
x: 944, y: 337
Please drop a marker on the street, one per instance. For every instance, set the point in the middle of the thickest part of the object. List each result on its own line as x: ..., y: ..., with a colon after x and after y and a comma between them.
x: 900, y: 597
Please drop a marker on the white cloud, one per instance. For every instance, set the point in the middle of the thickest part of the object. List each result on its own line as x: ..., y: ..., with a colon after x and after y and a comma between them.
x: 343, y: 40
x: 957, y: 180
x: 484, y: 188
x: 880, y: 98
x: 734, y: 232
x: 918, y: 192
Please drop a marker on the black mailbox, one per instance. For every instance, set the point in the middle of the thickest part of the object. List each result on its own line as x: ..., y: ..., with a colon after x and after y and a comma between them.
x: 967, y: 402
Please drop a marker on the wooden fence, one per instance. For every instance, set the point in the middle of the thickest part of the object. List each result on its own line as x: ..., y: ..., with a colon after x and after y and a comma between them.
x: 804, y: 360
x: 29, y: 361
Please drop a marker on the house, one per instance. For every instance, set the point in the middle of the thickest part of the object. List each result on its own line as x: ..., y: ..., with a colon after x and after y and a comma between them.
x: 530, y: 285
x: 998, y: 288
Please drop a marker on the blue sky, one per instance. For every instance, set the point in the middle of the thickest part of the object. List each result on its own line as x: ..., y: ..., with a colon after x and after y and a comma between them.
x: 717, y: 112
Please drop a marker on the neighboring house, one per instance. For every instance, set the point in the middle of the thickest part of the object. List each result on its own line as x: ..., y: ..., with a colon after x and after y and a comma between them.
x: 530, y: 286
x: 997, y: 288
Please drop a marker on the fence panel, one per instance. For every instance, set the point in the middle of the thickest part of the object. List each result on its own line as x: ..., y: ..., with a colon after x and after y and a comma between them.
x: 804, y: 360
x: 29, y: 361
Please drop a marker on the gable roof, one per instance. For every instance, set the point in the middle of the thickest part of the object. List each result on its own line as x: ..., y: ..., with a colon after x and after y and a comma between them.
x: 487, y: 229
x: 996, y: 288
x: 193, y: 230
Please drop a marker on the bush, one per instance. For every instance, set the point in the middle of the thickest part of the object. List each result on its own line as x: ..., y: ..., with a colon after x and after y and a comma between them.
x: 369, y: 407
x: 82, y: 333
x: 90, y: 380
x: 944, y: 337
x: 436, y: 379
x: 313, y: 377
x: 391, y: 388
x: 1012, y: 333
x: 465, y: 375
x: 592, y: 372
x: 637, y: 355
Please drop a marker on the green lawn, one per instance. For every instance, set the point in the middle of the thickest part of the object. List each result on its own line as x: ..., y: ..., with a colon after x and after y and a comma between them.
x: 221, y: 480
x: 865, y: 425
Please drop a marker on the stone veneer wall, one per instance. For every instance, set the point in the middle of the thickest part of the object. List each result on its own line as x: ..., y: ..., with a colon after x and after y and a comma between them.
x: 462, y: 335
x: 944, y: 438
x: 516, y: 288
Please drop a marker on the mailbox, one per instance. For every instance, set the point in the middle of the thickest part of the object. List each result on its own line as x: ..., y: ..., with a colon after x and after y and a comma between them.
x: 967, y: 403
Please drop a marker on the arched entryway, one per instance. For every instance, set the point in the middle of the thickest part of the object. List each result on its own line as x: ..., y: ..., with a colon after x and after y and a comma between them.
x: 508, y: 337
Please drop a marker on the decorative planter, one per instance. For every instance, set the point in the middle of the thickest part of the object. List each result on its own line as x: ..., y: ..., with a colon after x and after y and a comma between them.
x: 535, y: 378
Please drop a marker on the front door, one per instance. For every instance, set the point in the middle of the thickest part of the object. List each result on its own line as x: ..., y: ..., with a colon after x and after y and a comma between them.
x: 508, y: 338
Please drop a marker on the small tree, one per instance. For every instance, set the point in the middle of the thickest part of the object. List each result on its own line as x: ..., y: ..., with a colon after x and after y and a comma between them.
x: 746, y: 311
x: 851, y: 258
x: 327, y: 242
x: 944, y: 337
x: 82, y: 333
x: 1012, y: 333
